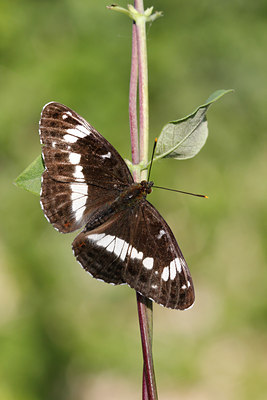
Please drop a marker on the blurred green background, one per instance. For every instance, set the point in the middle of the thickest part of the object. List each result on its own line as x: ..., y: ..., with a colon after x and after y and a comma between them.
x: 66, y: 336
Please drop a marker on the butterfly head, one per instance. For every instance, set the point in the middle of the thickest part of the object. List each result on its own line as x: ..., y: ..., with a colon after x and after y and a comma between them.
x: 147, y: 186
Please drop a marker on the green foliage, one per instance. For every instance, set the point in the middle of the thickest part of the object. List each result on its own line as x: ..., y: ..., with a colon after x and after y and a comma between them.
x: 185, y: 137
x: 66, y: 336
x: 30, y: 178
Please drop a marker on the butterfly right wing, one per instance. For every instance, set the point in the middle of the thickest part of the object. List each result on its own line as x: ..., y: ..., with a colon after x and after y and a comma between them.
x: 83, y: 170
x: 137, y: 246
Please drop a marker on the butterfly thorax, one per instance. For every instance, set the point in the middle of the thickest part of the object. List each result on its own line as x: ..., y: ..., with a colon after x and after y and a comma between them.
x: 130, y: 197
x: 134, y: 193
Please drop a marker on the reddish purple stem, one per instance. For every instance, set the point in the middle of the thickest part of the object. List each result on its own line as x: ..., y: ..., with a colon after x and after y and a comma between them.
x: 133, y: 100
x: 149, y: 383
x: 144, y: 305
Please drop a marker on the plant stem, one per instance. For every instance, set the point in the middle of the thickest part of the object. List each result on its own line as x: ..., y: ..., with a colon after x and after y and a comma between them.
x: 143, y: 85
x: 139, y: 64
x: 145, y: 314
x: 133, y: 101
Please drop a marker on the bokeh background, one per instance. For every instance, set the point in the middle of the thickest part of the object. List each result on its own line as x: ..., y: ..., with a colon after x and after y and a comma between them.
x: 66, y: 336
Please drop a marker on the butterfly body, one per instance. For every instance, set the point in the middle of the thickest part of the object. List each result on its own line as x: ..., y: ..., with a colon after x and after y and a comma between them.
x: 87, y: 184
x: 130, y: 197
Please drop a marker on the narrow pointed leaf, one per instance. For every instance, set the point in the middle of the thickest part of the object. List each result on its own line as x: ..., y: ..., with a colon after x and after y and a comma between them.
x: 184, y: 138
x: 30, y: 178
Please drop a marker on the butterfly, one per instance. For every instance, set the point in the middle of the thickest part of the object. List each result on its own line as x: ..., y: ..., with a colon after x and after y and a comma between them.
x: 86, y: 184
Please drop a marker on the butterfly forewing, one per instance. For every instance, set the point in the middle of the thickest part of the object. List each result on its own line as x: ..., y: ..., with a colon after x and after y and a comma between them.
x: 136, y: 246
x: 83, y: 170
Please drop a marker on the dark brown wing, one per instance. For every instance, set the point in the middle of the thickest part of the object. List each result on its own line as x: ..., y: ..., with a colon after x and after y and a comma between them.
x: 83, y: 170
x: 137, y: 246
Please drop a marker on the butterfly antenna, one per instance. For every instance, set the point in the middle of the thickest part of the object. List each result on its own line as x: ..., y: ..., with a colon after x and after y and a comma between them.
x: 153, y: 152
x: 181, y: 191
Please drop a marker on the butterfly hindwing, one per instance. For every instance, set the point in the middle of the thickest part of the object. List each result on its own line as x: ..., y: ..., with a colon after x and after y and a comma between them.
x: 163, y: 273
x: 137, y: 246
x: 83, y: 170
x: 102, y: 251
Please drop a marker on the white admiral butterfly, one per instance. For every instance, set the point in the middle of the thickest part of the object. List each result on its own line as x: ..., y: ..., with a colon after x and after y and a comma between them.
x: 125, y: 239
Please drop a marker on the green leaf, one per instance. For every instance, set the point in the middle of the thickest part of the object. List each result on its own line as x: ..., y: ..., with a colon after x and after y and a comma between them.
x: 184, y: 138
x: 30, y: 178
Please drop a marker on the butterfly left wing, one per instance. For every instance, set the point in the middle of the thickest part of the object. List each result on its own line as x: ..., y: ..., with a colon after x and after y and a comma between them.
x: 137, y: 246
x: 83, y: 170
